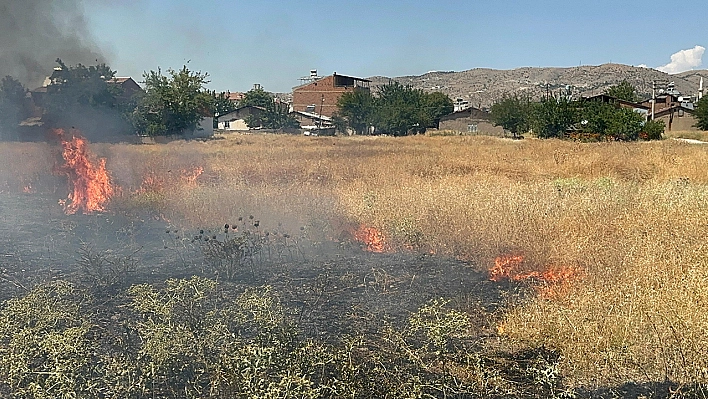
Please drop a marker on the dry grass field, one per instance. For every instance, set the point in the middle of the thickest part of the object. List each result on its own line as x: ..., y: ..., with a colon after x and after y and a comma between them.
x: 630, y: 219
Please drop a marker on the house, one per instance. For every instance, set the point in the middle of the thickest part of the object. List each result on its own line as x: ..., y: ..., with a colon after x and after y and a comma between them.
x: 669, y: 98
x: 235, y: 97
x: 319, y: 95
x: 470, y: 121
x: 236, y: 119
x: 677, y: 117
x: 129, y: 87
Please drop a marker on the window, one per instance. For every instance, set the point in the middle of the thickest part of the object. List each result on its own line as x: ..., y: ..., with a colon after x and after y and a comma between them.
x: 472, y: 128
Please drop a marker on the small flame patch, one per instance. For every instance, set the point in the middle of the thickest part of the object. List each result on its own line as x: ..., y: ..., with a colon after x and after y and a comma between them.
x: 372, y: 238
x: 556, y: 279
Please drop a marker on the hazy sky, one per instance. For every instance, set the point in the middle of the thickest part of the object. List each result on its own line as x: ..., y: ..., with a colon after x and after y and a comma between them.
x: 275, y: 42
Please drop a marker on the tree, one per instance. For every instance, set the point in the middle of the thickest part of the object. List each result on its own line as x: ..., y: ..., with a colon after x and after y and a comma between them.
x: 653, y: 130
x: 436, y: 106
x: 625, y: 125
x: 610, y: 121
x: 512, y: 113
x: 624, y: 91
x: 357, y: 109
x: 553, y: 116
x: 83, y: 97
x: 173, y: 103
x: 596, y: 117
x: 701, y: 113
x: 275, y: 115
x: 257, y: 97
x: 222, y: 104
x: 80, y: 86
x: 12, y: 105
x: 399, y: 110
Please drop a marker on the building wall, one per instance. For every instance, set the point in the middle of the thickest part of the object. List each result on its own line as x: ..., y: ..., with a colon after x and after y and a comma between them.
x: 679, y: 123
x: 233, y: 125
x: 322, y: 93
x: 236, y: 120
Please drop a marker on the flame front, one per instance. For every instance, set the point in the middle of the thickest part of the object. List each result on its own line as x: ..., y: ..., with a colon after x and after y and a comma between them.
x: 556, y: 279
x: 506, y: 267
x: 156, y: 183
x: 374, y: 239
x: 90, y: 187
x: 189, y: 177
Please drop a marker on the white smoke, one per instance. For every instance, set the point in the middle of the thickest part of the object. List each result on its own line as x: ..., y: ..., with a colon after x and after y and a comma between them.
x: 684, y: 60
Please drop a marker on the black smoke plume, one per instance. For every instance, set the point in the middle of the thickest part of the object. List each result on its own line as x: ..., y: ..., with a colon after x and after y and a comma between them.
x: 34, y: 33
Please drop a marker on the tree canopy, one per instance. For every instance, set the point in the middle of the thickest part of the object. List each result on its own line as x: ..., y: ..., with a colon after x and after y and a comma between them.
x: 396, y: 109
x: 12, y: 106
x: 80, y: 86
x: 624, y: 91
x: 85, y: 97
x: 512, y: 113
x: 357, y: 110
x: 275, y: 115
x: 701, y: 113
x: 222, y: 104
x: 553, y: 116
x: 173, y: 103
x: 257, y: 97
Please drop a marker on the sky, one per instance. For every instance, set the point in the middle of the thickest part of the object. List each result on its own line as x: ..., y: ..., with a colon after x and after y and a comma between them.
x: 273, y: 43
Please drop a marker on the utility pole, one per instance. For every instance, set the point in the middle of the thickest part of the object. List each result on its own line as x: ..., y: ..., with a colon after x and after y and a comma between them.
x: 653, y: 97
x: 654, y: 83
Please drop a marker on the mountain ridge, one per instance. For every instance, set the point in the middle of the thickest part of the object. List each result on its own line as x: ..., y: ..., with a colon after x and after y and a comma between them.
x: 482, y: 87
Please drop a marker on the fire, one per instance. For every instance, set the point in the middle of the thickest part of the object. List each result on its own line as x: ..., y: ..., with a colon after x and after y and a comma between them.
x: 151, y: 183
x: 154, y: 183
x: 189, y: 178
x: 90, y: 187
x: 506, y: 267
x: 555, y: 279
x: 374, y: 239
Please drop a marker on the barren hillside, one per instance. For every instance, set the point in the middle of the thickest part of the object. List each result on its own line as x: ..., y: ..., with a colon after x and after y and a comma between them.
x: 483, y: 86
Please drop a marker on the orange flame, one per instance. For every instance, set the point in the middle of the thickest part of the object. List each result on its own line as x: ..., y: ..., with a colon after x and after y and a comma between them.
x: 556, y: 278
x: 189, y: 178
x: 90, y: 187
x: 152, y: 182
x: 374, y: 239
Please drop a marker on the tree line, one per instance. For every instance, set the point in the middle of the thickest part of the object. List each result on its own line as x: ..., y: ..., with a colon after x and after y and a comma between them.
x: 175, y: 101
x: 559, y: 116
x: 86, y: 97
x: 396, y: 109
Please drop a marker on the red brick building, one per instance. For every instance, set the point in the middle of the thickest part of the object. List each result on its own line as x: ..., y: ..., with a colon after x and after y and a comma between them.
x: 320, y: 95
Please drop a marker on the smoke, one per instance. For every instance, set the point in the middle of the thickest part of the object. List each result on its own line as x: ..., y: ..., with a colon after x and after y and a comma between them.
x: 684, y: 60
x: 34, y: 33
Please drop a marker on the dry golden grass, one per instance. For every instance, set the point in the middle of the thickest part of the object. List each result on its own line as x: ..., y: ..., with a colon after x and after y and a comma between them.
x: 632, y: 216
x: 688, y: 134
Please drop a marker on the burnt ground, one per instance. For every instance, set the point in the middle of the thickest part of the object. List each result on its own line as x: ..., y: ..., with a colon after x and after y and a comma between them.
x: 331, y: 288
